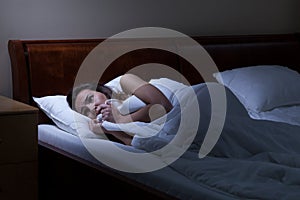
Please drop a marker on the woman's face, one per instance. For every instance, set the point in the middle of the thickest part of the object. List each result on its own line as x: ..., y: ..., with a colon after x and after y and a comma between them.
x: 88, y: 102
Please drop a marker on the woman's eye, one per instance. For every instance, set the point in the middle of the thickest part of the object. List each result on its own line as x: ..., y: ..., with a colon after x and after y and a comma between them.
x: 91, y: 99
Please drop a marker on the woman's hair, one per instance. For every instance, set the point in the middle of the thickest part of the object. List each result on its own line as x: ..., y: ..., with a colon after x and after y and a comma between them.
x: 72, y: 94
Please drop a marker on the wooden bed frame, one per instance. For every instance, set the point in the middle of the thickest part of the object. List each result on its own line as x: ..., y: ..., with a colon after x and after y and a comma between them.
x: 49, y: 67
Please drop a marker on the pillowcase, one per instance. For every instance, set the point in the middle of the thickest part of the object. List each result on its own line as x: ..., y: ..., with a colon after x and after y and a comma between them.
x: 57, y: 109
x: 264, y: 87
x: 115, y: 85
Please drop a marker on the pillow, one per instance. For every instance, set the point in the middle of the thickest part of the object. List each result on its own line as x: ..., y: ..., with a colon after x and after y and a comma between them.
x: 264, y: 87
x: 57, y: 109
x: 115, y: 85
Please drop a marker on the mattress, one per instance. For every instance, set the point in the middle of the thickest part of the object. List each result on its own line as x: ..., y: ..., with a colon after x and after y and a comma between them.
x: 166, y: 180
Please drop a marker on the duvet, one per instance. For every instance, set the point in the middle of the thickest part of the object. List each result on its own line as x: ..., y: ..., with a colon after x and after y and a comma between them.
x: 246, y: 159
x: 252, y: 159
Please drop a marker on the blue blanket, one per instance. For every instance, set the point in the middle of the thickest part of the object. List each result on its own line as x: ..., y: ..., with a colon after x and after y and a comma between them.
x: 252, y: 159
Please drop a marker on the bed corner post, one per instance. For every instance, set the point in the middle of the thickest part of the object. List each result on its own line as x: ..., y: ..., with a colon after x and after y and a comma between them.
x: 19, y: 71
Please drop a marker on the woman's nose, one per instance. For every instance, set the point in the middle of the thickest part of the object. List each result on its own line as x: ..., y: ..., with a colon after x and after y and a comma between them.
x: 92, y: 107
x: 96, y: 108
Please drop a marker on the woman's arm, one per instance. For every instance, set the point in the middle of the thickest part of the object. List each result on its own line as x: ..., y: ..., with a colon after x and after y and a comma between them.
x: 120, y: 135
x: 156, y: 103
x: 156, y: 106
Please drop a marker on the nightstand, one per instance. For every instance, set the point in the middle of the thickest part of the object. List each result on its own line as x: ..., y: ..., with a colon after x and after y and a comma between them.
x: 18, y: 150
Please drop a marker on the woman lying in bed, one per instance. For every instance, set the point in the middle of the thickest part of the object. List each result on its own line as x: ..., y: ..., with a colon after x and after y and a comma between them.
x: 85, y: 100
x: 247, y: 157
x: 224, y: 129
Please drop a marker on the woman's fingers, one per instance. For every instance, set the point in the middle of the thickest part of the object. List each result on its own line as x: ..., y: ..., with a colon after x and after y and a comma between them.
x: 110, y: 113
x: 104, y: 106
x: 105, y: 110
x: 107, y: 114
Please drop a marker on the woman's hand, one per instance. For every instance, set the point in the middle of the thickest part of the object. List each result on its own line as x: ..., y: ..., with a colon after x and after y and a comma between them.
x: 111, y: 113
x: 95, y: 127
x: 106, y: 111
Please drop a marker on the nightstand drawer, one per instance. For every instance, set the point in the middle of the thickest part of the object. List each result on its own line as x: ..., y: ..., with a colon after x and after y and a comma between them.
x: 18, y: 138
x: 18, y: 181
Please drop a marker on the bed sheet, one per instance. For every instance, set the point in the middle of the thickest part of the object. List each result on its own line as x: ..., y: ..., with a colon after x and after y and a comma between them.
x: 58, y: 138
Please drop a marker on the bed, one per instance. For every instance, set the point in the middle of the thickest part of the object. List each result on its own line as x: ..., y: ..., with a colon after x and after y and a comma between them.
x: 234, y: 168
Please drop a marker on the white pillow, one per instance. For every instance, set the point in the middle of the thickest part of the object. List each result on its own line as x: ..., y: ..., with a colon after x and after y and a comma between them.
x: 115, y: 85
x: 264, y: 87
x: 57, y: 109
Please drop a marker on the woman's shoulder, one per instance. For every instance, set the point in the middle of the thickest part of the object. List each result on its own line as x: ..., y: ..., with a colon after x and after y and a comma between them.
x: 169, y: 83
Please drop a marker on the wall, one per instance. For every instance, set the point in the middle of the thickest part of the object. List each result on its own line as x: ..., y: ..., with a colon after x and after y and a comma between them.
x: 53, y: 19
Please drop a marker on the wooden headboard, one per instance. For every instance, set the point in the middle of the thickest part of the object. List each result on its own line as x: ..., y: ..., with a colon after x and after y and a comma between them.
x: 48, y: 67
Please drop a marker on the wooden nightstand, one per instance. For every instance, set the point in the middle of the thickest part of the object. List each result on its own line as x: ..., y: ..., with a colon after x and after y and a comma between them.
x: 18, y: 150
